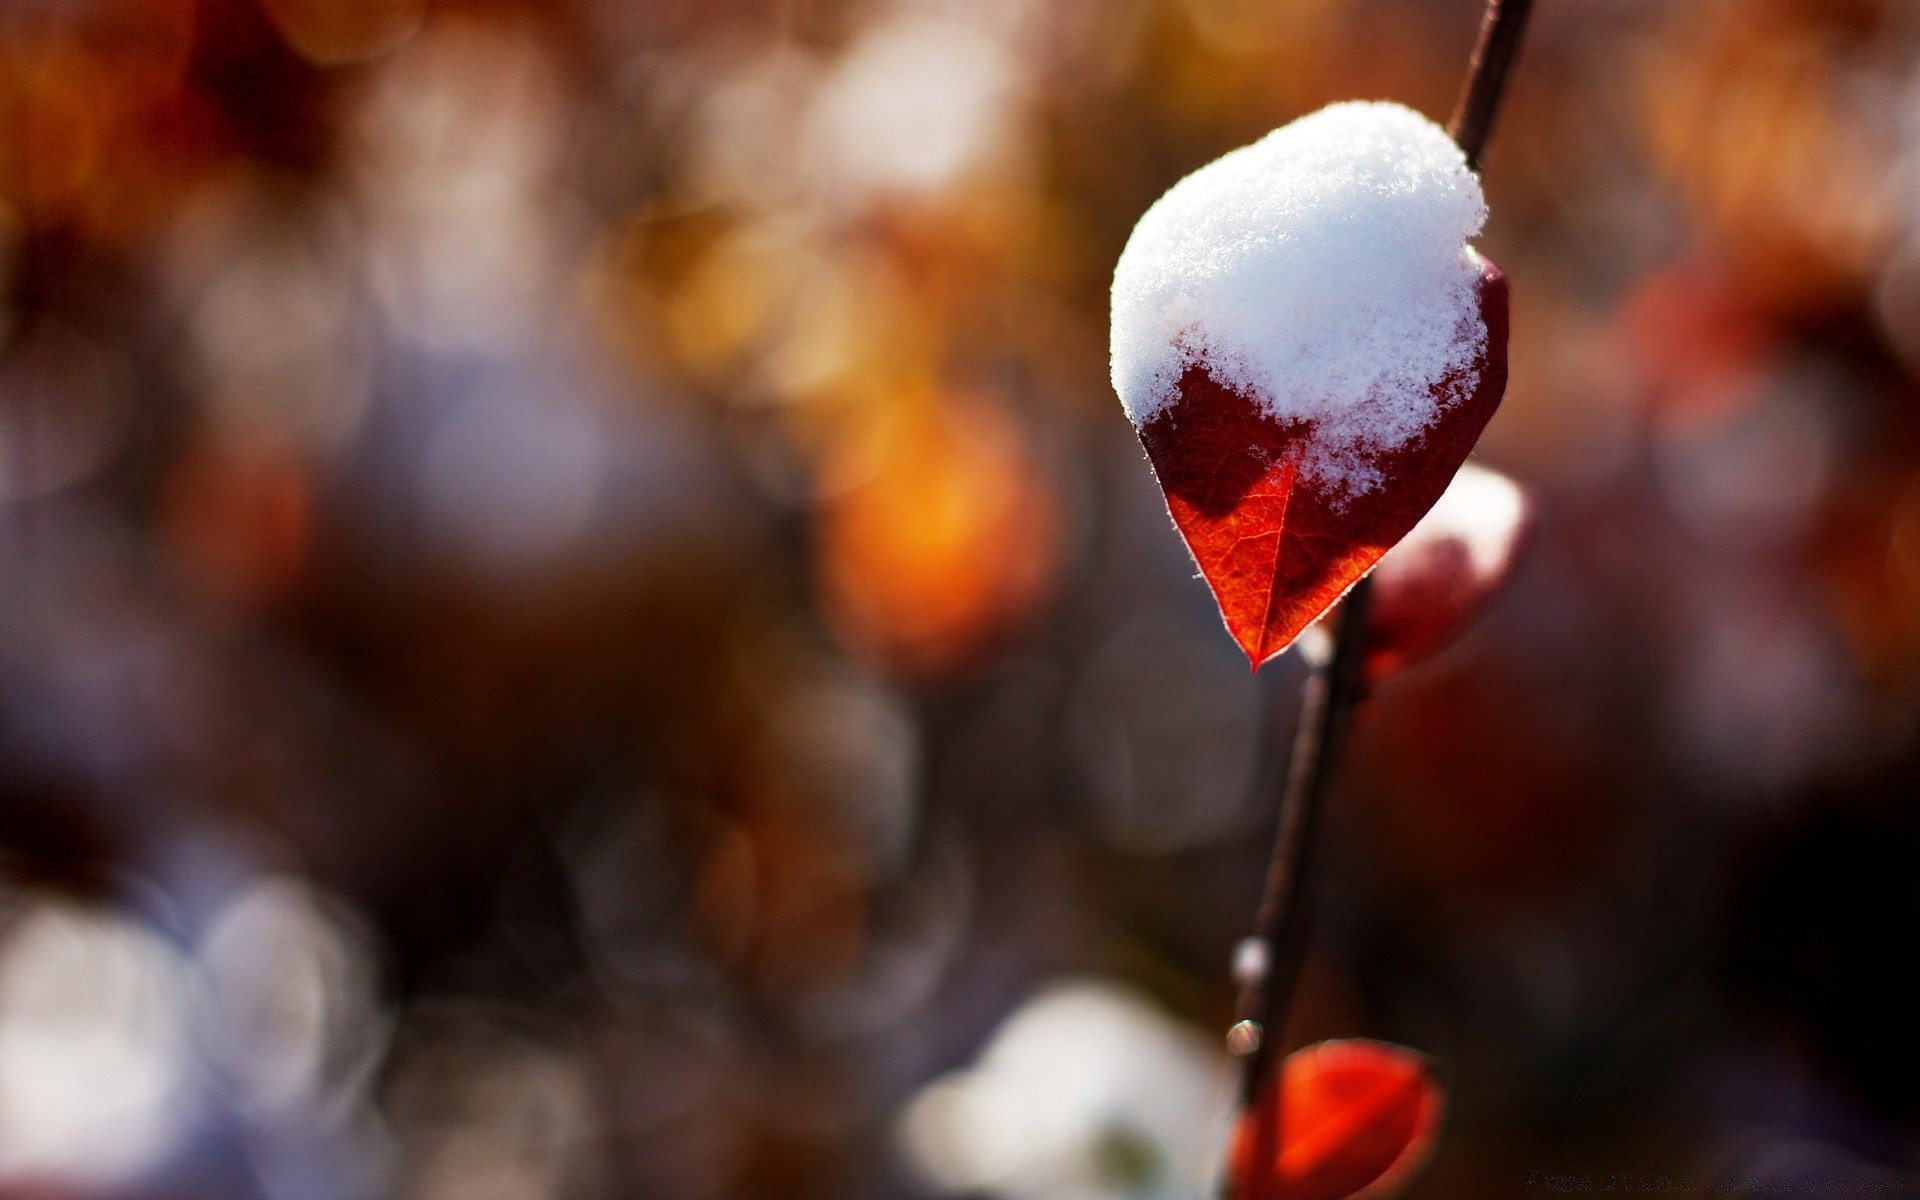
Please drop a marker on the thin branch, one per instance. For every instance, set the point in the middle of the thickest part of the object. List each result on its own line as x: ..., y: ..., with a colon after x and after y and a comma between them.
x: 1267, y: 965
x: 1487, y: 75
x: 1269, y: 961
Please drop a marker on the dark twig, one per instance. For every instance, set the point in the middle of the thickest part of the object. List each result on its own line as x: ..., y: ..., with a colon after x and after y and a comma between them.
x: 1269, y: 961
x: 1267, y: 966
x: 1487, y: 75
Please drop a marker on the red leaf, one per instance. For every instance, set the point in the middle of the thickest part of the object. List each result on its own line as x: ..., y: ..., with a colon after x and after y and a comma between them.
x: 1438, y: 578
x: 1276, y: 551
x: 1356, y: 1121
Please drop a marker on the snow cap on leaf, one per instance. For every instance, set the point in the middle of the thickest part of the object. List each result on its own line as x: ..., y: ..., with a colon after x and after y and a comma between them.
x: 1447, y: 569
x: 1309, y: 349
x: 1323, y: 272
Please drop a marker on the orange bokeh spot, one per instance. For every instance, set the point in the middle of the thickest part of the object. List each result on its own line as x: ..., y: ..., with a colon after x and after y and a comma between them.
x: 938, y: 533
x: 100, y: 139
x: 53, y: 122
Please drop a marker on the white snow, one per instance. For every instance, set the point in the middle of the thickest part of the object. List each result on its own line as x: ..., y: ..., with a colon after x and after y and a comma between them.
x: 1322, y: 271
x: 1483, y: 510
x: 1084, y: 1069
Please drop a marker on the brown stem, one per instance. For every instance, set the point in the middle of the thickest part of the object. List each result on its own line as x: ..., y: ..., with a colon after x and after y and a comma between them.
x: 1487, y: 74
x: 1270, y: 960
x: 1268, y: 963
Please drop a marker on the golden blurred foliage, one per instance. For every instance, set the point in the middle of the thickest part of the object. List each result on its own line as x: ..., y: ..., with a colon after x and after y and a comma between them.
x: 102, y: 144
x: 938, y: 532
x: 54, y: 108
x: 1757, y: 116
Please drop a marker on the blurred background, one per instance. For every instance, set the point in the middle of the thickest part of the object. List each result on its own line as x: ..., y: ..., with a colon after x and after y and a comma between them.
x: 578, y: 617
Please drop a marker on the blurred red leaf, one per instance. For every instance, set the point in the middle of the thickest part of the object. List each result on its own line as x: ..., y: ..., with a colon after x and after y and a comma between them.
x: 1700, y: 345
x: 1276, y: 551
x: 1356, y: 1120
x: 1438, y: 578
x: 239, y: 520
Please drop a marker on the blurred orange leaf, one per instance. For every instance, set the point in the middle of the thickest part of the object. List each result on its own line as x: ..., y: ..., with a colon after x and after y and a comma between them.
x: 1355, y: 1121
x: 938, y: 533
